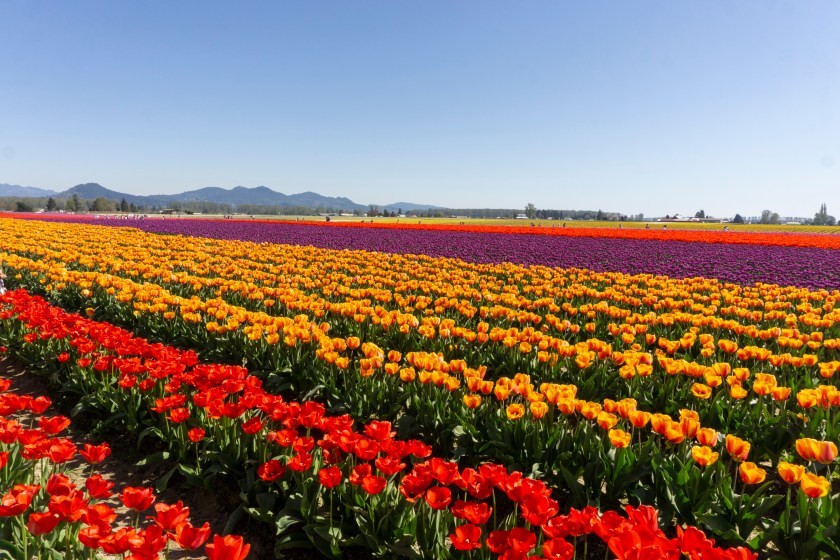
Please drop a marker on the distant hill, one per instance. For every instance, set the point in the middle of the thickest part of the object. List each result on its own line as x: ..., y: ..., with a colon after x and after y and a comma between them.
x: 17, y: 190
x: 410, y: 207
x: 236, y: 196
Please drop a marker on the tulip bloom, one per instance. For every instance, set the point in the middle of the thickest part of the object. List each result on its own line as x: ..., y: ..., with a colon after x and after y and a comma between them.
x: 330, y: 477
x: 438, y: 497
x: 190, y: 537
x: 94, y: 454
x: 230, y: 547
x: 515, y: 411
x: 707, y: 436
x: 751, y: 473
x: 196, y: 435
x: 169, y: 517
x: 42, y: 523
x: 98, y: 487
x: 814, y: 486
x: 701, y: 391
x: 271, y: 470
x: 137, y: 498
x: 466, y: 537
x: 791, y: 473
x: 472, y: 401
x: 704, y: 456
x: 538, y: 409
x: 619, y: 438
x: 738, y: 448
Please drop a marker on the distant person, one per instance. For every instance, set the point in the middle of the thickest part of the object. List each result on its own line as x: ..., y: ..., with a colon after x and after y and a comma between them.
x: 328, y: 218
x: 664, y: 226
x: 647, y: 226
x: 564, y: 224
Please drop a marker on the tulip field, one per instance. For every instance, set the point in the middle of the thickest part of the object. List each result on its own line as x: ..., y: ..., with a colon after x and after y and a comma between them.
x: 427, y: 392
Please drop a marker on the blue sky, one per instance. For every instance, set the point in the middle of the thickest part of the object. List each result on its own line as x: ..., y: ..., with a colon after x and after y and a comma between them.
x: 642, y: 106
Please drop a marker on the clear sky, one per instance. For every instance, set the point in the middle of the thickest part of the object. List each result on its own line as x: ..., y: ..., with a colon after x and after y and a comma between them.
x: 631, y: 106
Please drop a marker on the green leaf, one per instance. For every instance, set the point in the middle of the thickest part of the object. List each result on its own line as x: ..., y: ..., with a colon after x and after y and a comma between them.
x: 9, y: 551
x: 721, y: 526
x: 233, y: 520
x: 153, y: 458
x: 162, y: 482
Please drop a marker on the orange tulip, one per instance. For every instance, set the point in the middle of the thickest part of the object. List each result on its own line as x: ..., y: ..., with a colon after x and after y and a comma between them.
x: 607, y: 420
x: 814, y: 450
x: 538, y: 409
x: 638, y: 418
x: 790, y: 472
x: 590, y: 410
x: 737, y: 392
x: 619, y: 438
x: 701, y: 391
x: 751, y: 473
x: 707, y: 436
x: 515, y: 411
x: 704, y: 456
x: 689, y: 426
x: 781, y: 393
x: 737, y: 447
x: 472, y: 401
x: 814, y: 486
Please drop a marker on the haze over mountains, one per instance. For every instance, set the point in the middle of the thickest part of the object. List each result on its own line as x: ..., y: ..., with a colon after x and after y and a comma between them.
x: 235, y: 196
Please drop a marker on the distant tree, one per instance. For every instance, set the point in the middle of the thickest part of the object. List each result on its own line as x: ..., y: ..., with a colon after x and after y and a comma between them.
x: 21, y: 206
x: 132, y: 207
x: 102, y: 204
x: 738, y: 219
x: 765, y: 217
x: 124, y: 205
x: 700, y: 214
x: 600, y: 215
x: 51, y: 205
x: 822, y: 218
x: 530, y: 210
x: 74, y: 204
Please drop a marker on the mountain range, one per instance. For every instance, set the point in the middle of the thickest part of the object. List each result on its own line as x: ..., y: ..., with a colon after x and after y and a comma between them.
x: 263, y: 196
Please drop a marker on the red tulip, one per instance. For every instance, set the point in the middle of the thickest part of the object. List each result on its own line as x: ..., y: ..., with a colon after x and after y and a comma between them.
x: 17, y: 500
x: 190, y: 537
x: 59, y: 485
x: 94, y: 454
x: 438, y: 497
x: 168, y: 517
x: 196, y: 435
x: 230, y: 547
x: 98, y: 487
x: 61, y: 451
x: 42, y: 523
x: 466, y: 537
x: 330, y: 477
x: 373, y: 484
x: 271, y: 470
x: 54, y: 424
x: 558, y: 549
x: 137, y: 498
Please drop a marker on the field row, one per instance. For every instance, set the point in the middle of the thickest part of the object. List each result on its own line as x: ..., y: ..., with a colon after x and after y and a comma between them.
x: 788, y: 259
